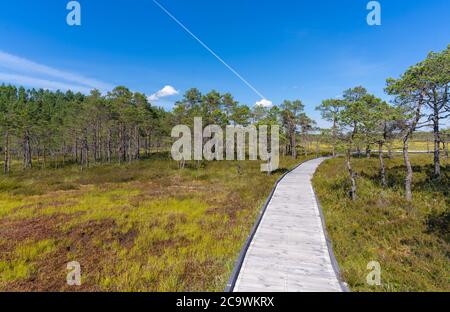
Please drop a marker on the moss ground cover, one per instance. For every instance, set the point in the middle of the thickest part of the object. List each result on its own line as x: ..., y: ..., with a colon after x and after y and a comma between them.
x: 411, y: 243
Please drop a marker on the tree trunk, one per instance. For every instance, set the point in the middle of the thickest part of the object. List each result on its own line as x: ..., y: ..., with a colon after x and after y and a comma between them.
x: 124, y: 144
x: 138, y: 143
x: 382, y: 168
x: 7, y: 165
x: 121, y: 146
x: 446, y: 149
x: 294, y: 145
x: 109, y: 151
x: 368, y: 152
x: 44, y: 158
x: 351, y: 175
x: 94, y: 144
x: 81, y: 158
x: 130, y: 151
x: 409, y: 172
x: 76, y: 150
x: 146, y: 145
x: 334, y: 137
x: 410, y: 131
x: 85, y: 151
x: 27, y: 162
x: 99, y: 142
x: 306, y: 146
x: 317, y: 148
x: 437, y: 147
x: 64, y: 152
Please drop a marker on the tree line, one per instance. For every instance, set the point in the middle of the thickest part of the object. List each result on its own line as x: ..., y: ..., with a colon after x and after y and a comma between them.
x: 223, y: 110
x: 420, y: 100
x: 63, y: 127
x: 58, y: 128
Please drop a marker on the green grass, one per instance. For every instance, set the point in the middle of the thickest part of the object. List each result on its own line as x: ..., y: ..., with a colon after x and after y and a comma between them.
x: 411, y: 243
x: 396, y: 146
x: 20, y: 262
x: 145, y: 226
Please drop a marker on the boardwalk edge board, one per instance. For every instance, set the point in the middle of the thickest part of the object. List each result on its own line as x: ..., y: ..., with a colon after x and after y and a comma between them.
x: 333, y: 259
x: 239, y: 263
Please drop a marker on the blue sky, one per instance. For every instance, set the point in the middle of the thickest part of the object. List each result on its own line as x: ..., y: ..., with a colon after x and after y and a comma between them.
x: 286, y: 49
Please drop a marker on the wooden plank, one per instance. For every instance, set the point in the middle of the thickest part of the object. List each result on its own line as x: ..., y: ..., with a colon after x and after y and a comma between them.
x: 289, y: 251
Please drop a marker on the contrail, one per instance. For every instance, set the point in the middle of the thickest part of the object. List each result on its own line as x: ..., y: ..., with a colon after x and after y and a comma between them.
x: 210, y: 50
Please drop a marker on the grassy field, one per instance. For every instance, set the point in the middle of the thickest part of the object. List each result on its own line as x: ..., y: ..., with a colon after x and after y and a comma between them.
x: 411, y: 243
x: 396, y: 146
x: 146, y: 226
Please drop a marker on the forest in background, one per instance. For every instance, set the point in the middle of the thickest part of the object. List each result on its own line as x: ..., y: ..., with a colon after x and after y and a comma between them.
x: 57, y: 128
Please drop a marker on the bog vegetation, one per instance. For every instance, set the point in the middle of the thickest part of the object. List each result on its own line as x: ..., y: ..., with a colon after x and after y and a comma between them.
x: 410, y: 241
x: 87, y: 178
x: 393, y: 210
x: 144, y: 226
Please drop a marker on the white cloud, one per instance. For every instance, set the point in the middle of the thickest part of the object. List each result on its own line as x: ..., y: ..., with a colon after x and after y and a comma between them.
x: 164, y: 92
x: 29, y: 67
x: 41, y: 83
x: 264, y: 103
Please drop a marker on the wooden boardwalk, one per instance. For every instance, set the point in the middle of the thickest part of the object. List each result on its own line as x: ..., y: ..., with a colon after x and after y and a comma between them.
x: 289, y: 252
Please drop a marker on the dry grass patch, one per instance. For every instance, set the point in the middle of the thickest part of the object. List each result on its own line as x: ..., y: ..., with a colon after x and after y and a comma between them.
x: 145, y: 226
